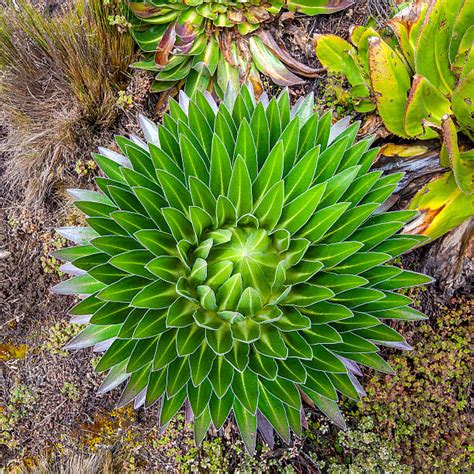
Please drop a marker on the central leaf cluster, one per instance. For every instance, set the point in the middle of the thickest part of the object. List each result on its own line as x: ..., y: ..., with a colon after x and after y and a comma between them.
x: 234, y: 278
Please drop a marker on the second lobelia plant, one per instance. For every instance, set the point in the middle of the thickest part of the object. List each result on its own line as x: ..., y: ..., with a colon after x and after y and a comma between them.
x: 207, y: 43
x: 238, y: 260
x: 421, y: 82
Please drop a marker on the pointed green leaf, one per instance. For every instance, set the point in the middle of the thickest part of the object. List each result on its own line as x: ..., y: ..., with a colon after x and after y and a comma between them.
x: 320, y: 383
x: 238, y: 357
x: 273, y: 410
x: 137, y: 382
x: 220, y: 340
x: 156, y: 387
x: 271, y: 343
x: 343, y: 384
x: 246, y: 331
x: 220, y: 408
x: 178, y: 374
x: 133, y: 262
x: 306, y: 294
x: 157, y: 295
x: 270, y: 172
x: 80, y: 285
x: 93, y: 335
x: 143, y: 354
x: 118, y: 352
x: 292, y: 369
x: 245, y: 147
x: 200, y: 363
x: 245, y: 388
x: 166, y: 351
x: 240, y: 187
x: 124, y: 290
x: 151, y: 324
x: 247, y: 423
x: 199, y: 398
x: 221, y: 376
x: 221, y: 168
x: 284, y: 390
x: 171, y: 405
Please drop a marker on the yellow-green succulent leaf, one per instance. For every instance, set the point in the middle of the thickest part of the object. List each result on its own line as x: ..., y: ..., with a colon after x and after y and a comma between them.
x: 406, y: 25
x: 362, y: 57
x: 463, y: 103
x: 172, y: 29
x: 442, y: 206
x: 337, y: 56
x: 432, y: 51
x: 356, y: 32
x: 460, y: 162
x: 391, y: 83
x: 463, y: 30
x: 425, y: 104
x: 318, y: 7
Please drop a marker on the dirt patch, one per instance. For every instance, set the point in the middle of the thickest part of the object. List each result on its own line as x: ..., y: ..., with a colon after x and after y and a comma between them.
x: 28, y: 314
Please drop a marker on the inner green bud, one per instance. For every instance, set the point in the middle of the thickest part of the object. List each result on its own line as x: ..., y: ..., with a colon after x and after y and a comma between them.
x: 235, y: 280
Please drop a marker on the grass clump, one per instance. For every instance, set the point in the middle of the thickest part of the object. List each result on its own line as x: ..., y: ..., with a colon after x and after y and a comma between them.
x: 59, y: 82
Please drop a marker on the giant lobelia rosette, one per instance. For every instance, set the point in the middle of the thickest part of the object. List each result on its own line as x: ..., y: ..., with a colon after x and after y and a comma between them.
x: 238, y: 259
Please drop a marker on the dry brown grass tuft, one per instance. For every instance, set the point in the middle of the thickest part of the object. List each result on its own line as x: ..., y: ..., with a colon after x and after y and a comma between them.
x: 100, y: 463
x: 59, y: 80
x: 382, y: 10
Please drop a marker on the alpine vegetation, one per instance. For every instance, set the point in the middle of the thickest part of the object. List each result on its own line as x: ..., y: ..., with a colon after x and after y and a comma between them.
x: 207, y: 43
x: 238, y: 260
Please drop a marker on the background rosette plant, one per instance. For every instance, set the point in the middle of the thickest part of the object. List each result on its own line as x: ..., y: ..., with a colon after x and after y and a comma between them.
x: 238, y: 260
x: 420, y: 80
x: 208, y: 43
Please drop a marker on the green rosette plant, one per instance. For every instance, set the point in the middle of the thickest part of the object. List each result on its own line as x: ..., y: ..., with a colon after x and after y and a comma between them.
x: 420, y: 81
x: 238, y: 260
x: 207, y: 43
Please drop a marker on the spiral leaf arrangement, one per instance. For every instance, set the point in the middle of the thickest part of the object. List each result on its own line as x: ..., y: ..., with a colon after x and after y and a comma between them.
x: 238, y: 260
x: 207, y: 43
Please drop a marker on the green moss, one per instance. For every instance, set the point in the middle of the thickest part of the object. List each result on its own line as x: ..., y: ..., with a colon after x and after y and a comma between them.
x: 124, y: 100
x: 335, y: 97
x: 422, y: 410
x: 216, y: 455
x: 357, y: 450
x: 366, y: 452
x: 58, y: 336
x: 19, y: 401
x: 84, y: 167
x: 70, y: 390
x: 50, y: 243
